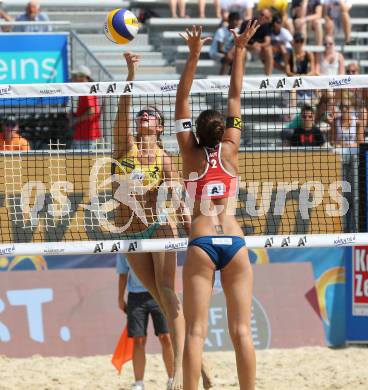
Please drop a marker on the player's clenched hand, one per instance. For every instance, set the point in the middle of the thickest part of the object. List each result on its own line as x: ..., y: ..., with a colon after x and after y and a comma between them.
x: 132, y: 61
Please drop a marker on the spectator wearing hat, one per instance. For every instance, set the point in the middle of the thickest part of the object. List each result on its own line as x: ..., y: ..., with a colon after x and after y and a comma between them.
x: 10, y: 138
x: 33, y: 14
x: 260, y: 43
x: 281, y: 39
x: 301, y: 62
x: 222, y: 46
x: 308, y: 11
x: 86, y: 120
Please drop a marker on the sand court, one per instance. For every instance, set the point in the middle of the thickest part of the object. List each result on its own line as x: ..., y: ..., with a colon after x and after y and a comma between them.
x: 316, y: 368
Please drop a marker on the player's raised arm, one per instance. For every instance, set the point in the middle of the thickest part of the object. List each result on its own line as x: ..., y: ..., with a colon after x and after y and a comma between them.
x: 233, y: 121
x: 123, y: 136
x: 183, y: 119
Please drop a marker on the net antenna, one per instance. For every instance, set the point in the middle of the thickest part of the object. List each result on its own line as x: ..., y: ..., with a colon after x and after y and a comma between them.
x: 302, y: 167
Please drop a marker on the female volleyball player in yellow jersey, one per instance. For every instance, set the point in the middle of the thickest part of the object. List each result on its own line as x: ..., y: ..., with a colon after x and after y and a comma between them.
x: 143, y: 159
x: 216, y: 240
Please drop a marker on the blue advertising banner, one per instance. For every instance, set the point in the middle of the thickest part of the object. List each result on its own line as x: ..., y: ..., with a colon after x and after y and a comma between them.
x: 327, y: 296
x: 357, y: 295
x: 33, y: 58
x: 328, y: 266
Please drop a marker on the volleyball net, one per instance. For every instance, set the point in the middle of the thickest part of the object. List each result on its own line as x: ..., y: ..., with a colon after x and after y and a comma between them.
x: 302, y: 168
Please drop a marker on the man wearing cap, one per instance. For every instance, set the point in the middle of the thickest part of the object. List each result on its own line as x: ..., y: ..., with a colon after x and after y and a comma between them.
x: 86, y: 120
x: 10, y: 138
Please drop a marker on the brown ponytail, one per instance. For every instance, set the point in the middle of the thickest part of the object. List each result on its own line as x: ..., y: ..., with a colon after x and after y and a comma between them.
x: 210, y: 128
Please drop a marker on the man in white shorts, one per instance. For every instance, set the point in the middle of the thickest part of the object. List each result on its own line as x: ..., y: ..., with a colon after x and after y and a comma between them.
x: 336, y: 12
x: 243, y: 7
x: 222, y: 44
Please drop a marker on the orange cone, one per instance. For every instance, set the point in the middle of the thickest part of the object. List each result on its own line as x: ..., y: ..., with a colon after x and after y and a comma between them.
x: 123, y: 350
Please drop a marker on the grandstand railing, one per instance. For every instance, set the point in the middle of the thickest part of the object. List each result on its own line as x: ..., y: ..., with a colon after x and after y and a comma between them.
x: 55, y: 23
x: 89, y: 58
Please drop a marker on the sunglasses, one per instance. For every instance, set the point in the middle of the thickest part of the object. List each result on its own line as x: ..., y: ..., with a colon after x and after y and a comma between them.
x: 299, y: 40
x: 352, y: 71
x: 148, y: 112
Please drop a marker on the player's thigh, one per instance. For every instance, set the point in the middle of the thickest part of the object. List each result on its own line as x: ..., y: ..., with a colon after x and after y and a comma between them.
x: 198, y: 278
x: 237, y: 284
x: 142, y: 265
x: 137, y: 315
x: 164, y: 264
x: 159, y: 321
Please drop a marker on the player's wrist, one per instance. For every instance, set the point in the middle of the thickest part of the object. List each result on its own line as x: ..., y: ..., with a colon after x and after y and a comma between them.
x: 194, y: 53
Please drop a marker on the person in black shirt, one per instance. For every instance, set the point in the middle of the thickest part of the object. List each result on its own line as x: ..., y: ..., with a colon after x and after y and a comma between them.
x: 261, y: 41
x: 308, y: 134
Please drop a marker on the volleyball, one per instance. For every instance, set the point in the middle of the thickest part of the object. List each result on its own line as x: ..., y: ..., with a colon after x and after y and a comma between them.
x: 121, y: 26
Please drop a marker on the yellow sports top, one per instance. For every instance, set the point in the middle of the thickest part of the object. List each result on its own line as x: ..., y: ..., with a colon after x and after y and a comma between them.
x: 150, y: 175
x: 280, y: 5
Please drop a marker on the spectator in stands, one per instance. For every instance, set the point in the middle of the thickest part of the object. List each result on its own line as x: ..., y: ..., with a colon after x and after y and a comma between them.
x: 33, y: 14
x: 352, y: 68
x: 178, y: 5
x: 222, y: 46
x: 260, y: 43
x: 243, y: 7
x: 10, y: 138
x: 300, y: 62
x: 357, y: 98
x: 330, y: 62
x: 308, y: 11
x: 326, y: 107
x: 346, y: 128
x: 86, y: 120
x: 308, y: 134
x: 278, y: 7
x: 139, y: 307
x: 336, y: 12
x: 202, y: 8
x: 281, y: 39
x: 5, y: 17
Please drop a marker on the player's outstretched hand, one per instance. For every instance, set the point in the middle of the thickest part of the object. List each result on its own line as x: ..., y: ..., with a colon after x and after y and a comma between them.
x: 242, y: 39
x: 132, y: 61
x: 194, y: 40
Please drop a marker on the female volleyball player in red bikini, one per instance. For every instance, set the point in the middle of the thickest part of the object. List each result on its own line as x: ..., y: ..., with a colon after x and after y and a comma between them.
x: 143, y: 159
x: 216, y: 240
